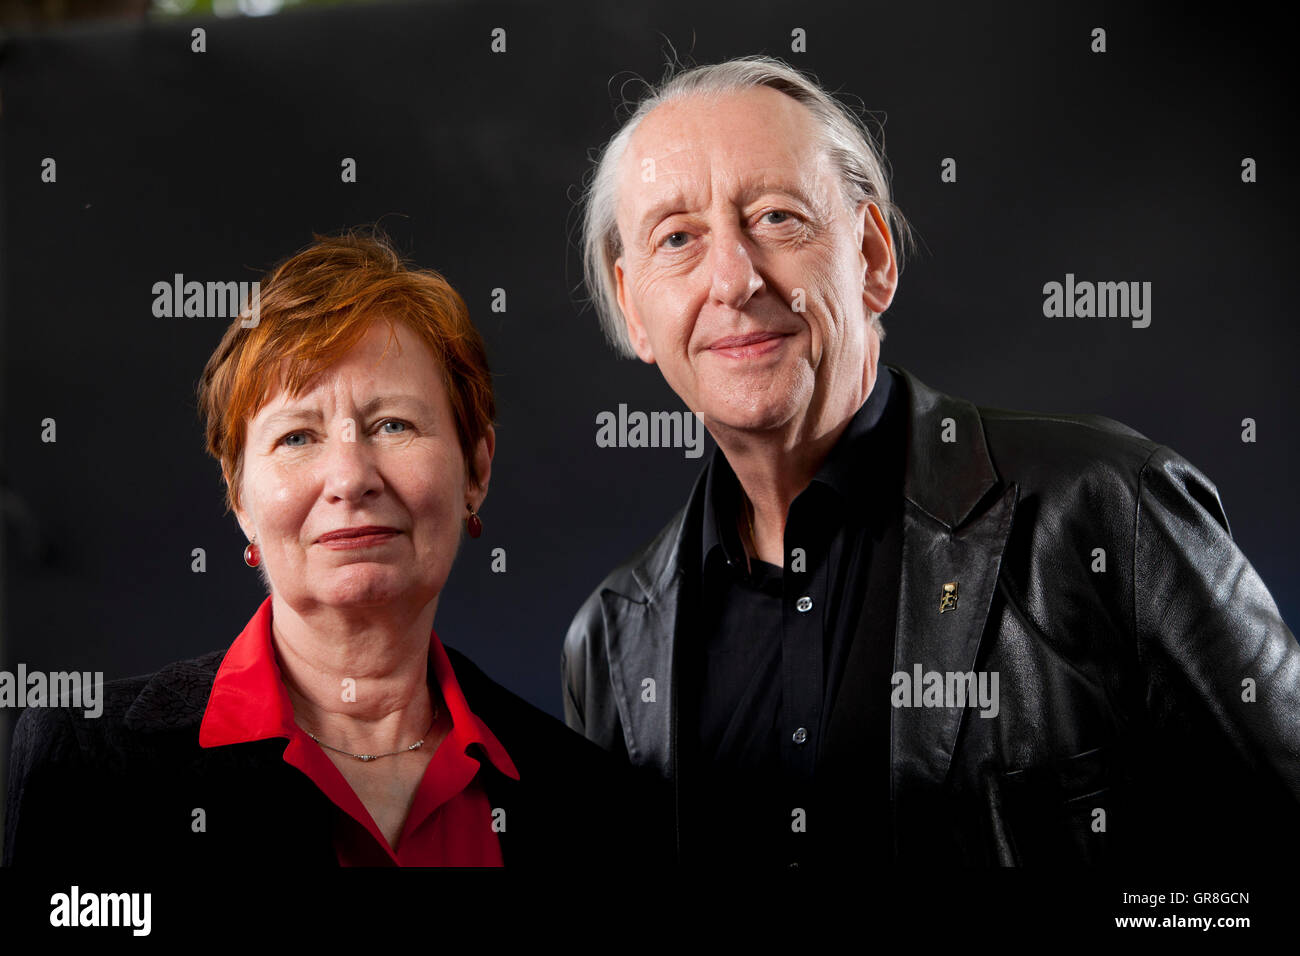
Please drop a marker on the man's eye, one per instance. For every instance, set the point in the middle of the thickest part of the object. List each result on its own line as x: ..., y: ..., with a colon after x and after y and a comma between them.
x: 785, y: 216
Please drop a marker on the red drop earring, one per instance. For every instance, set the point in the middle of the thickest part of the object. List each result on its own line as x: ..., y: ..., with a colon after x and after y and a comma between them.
x: 252, y: 557
x: 473, y: 523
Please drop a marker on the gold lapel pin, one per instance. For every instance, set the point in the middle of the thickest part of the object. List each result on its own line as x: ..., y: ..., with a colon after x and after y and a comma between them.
x: 949, y: 600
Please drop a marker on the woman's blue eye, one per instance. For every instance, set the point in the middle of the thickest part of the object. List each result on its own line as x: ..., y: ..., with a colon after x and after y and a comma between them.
x: 288, y: 442
x: 668, y: 240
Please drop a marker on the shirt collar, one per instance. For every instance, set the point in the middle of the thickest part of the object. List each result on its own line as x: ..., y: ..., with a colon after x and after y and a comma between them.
x: 853, y: 465
x: 249, y: 700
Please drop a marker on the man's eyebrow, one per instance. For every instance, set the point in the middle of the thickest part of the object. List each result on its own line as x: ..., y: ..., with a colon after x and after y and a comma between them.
x: 676, y: 202
x: 289, y: 416
x: 751, y: 191
x: 658, y: 211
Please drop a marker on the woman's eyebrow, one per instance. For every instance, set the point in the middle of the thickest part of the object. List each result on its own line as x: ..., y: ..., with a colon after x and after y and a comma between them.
x: 291, y: 415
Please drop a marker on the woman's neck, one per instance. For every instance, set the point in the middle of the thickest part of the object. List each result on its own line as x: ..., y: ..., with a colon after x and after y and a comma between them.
x: 357, y: 677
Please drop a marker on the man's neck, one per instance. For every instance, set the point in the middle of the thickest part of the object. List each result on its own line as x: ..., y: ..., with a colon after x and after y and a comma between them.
x: 774, y: 468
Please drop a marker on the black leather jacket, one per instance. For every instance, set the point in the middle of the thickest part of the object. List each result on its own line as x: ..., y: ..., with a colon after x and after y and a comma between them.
x: 1162, y: 691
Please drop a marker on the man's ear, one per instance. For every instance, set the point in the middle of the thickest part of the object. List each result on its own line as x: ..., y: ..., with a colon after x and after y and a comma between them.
x: 487, y: 447
x: 879, y: 269
x: 635, y: 330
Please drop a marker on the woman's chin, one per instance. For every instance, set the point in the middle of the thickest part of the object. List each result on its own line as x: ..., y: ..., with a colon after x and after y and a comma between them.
x: 368, y: 586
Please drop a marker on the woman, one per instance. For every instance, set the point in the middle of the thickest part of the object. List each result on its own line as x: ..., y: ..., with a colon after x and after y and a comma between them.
x: 352, y: 417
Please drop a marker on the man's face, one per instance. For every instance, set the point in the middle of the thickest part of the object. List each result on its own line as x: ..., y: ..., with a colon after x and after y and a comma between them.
x: 743, y: 273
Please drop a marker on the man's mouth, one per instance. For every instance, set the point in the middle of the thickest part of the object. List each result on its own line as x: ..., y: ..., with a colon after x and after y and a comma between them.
x: 749, y: 346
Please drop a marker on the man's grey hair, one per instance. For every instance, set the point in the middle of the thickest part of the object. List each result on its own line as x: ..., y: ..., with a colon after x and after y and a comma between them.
x: 845, y: 138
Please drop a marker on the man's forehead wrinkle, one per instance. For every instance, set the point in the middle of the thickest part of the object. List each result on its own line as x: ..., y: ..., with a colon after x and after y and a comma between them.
x: 663, y: 168
x: 790, y: 153
x: 679, y: 145
x: 741, y: 188
x: 781, y: 174
x: 687, y: 170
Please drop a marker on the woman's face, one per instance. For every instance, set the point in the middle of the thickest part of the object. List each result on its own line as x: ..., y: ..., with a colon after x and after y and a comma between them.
x: 373, y: 445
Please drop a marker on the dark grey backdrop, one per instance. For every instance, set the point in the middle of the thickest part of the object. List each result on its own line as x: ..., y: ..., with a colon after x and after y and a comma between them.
x: 1122, y: 166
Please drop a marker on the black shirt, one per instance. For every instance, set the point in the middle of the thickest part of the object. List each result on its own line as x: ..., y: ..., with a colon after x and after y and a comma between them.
x: 773, y: 645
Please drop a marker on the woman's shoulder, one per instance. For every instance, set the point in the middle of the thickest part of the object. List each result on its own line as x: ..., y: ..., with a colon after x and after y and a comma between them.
x: 100, y: 718
x: 522, y: 728
x: 119, y: 775
x: 490, y: 700
x: 604, y: 807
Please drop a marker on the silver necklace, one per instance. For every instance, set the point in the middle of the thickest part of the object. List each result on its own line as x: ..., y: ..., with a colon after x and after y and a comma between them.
x: 368, y: 757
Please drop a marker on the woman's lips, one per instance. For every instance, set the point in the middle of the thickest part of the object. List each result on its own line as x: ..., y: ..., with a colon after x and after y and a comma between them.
x: 361, y: 541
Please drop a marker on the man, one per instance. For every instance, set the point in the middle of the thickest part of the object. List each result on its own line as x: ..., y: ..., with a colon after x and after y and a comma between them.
x: 889, y: 625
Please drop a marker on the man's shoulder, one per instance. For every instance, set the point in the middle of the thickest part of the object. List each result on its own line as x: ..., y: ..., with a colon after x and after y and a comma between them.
x: 1099, y: 469
x: 1034, y: 448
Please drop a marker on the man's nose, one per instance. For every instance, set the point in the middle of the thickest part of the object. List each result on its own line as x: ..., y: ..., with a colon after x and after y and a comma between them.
x: 735, y: 279
x: 351, y: 471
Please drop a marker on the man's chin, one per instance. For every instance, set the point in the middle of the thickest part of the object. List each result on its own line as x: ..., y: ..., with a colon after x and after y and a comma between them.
x: 767, y: 417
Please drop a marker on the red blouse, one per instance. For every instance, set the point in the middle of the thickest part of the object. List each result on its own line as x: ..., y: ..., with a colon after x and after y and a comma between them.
x: 450, y: 823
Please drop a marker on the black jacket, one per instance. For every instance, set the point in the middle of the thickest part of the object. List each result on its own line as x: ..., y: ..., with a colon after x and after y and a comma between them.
x: 121, y: 788
x: 1148, y: 711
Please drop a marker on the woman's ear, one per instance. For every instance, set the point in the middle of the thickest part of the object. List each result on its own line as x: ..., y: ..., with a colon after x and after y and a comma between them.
x: 245, y: 525
x: 487, y: 446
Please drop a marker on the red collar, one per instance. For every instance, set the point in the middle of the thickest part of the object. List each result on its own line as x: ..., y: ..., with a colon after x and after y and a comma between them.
x: 249, y: 700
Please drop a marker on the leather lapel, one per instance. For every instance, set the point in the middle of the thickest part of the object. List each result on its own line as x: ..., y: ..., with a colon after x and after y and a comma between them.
x: 642, y: 633
x: 641, y: 641
x: 956, y: 521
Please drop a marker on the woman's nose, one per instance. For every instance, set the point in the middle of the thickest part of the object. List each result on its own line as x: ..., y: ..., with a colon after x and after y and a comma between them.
x: 351, y: 470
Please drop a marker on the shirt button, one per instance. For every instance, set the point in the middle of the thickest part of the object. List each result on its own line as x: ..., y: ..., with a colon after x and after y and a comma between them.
x: 800, y: 735
x: 804, y: 604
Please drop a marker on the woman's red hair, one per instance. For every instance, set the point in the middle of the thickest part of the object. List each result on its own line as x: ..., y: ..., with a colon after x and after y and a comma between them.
x: 315, y: 307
